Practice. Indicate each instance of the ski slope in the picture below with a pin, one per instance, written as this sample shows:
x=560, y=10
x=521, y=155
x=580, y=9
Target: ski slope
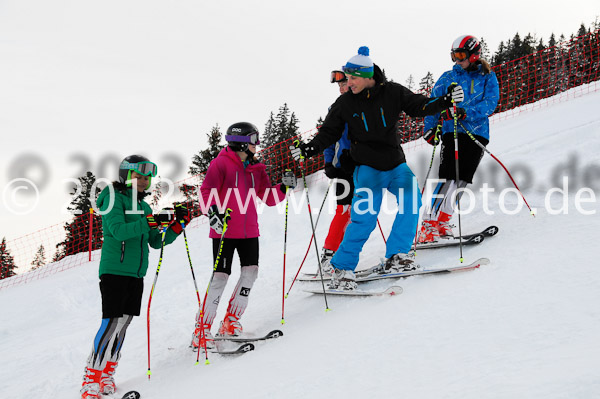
x=525, y=326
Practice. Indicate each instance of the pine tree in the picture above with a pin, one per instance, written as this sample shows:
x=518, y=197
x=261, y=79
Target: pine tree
x=485, y=50
x=319, y=122
x=40, y=258
x=268, y=138
x=292, y=128
x=201, y=161
x=552, y=41
x=78, y=235
x=540, y=46
x=500, y=55
x=156, y=194
x=582, y=30
x=7, y=262
x=410, y=82
x=283, y=127
x=528, y=45
x=426, y=84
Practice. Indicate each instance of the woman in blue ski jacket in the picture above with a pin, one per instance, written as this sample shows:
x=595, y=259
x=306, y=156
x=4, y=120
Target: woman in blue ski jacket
x=481, y=94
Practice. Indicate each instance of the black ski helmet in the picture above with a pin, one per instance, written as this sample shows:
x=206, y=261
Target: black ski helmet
x=240, y=134
x=129, y=164
x=467, y=44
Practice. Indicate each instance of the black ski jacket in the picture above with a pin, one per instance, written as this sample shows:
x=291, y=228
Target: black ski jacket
x=371, y=116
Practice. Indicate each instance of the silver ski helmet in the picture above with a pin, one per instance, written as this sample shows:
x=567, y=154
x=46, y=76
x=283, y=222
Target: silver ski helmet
x=139, y=164
x=240, y=134
x=466, y=46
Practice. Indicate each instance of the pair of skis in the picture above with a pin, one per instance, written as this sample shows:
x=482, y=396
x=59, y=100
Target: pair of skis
x=247, y=343
x=375, y=272
x=372, y=275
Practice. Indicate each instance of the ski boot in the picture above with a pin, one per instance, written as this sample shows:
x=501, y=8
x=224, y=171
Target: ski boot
x=90, y=389
x=429, y=232
x=107, y=381
x=401, y=263
x=230, y=326
x=343, y=280
x=326, y=267
x=199, y=339
x=444, y=227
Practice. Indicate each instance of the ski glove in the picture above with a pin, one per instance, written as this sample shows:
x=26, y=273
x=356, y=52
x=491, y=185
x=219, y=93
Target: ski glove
x=454, y=94
x=215, y=219
x=288, y=180
x=302, y=151
x=448, y=114
x=331, y=171
x=182, y=218
x=347, y=163
x=431, y=138
x=163, y=218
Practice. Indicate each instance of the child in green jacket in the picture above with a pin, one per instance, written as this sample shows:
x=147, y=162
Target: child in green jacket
x=129, y=228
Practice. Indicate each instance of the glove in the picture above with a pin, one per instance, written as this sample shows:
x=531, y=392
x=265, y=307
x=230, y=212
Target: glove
x=151, y=222
x=431, y=138
x=448, y=114
x=215, y=219
x=163, y=218
x=288, y=179
x=331, y=171
x=301, y=151
x=454, y=94
x=182, y=218
x=347, y=164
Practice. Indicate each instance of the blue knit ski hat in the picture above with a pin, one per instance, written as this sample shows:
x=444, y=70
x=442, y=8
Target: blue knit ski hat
x=360, y=65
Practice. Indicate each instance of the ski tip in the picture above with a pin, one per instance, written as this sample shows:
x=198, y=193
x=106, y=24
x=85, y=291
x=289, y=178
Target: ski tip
x=275, y=334
x=132, y=395
x=246, y=348
x=395, y=290
x=483, y=261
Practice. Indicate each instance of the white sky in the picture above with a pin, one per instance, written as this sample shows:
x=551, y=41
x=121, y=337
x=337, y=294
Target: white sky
x=86, y=81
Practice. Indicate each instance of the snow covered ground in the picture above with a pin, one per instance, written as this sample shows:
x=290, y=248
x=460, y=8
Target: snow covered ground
x=526, y=326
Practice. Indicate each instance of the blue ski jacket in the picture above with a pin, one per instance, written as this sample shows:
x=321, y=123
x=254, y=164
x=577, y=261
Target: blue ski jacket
x=481, y=98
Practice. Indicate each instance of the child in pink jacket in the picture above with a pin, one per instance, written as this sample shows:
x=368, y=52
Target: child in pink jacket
x=234, y=180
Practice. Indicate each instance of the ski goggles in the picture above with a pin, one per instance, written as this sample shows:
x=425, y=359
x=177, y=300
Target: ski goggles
x=363, y=71
x=459, y=55
x=338, y=76
x=143, y=168
x=250, y=139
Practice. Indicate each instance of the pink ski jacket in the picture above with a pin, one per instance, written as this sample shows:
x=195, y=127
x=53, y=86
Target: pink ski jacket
x=229, y=185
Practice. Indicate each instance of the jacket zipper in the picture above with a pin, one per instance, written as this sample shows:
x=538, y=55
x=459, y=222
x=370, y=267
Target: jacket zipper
x=383, y=117
x=365, y=121
x=122, y=251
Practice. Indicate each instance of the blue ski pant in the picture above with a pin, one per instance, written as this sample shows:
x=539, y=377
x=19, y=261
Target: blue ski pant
x=370, y=185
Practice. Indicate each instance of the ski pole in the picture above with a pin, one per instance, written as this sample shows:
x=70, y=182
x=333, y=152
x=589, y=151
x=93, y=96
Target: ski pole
x=460, y=244
x=287, y=201
x=187, y=249
x=311, y=239
x=501, y=164
x=162, y=247
x=381, y=230
x=312, y=225
x=218, y=258
x=435, y=141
